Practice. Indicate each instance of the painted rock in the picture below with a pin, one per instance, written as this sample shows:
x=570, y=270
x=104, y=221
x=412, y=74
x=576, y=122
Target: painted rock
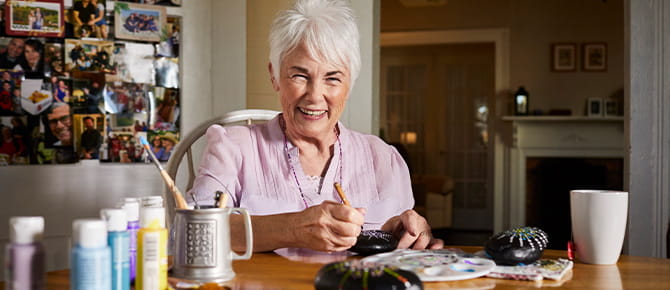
x=373, y=242
x=518, y=246
x=358, y=275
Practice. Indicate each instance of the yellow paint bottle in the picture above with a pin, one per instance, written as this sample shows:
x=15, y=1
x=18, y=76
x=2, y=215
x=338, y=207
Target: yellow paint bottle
x=152, y=250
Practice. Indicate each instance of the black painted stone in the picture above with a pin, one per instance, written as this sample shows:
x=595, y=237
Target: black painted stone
x=355, y=275
x=373, y=242
x=518, y=246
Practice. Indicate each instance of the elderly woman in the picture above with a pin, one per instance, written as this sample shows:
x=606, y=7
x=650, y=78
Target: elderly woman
x=283, y=171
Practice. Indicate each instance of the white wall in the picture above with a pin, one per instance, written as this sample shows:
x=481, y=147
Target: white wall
x=648, y=128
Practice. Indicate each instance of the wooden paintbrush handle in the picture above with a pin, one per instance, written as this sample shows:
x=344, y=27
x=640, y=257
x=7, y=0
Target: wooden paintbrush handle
x=178, y=197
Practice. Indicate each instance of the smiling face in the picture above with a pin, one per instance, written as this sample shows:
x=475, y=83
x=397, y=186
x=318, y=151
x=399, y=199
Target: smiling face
x=313, y=94
x=15, y=47
x=32, y=55
x=59, y=123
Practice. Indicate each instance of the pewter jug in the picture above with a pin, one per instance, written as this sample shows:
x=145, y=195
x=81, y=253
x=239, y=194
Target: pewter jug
x=202, y=249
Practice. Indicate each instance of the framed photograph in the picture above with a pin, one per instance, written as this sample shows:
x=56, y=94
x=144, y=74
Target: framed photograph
x=594, y=56
x=87, y=19
x=34, y=18
x=139, y=22
x=89, y=55
x=594, y=107
x=611, y=108
x=563, y=57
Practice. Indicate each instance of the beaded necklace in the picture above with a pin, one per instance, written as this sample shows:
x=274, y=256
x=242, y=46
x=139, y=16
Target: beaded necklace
x=290, y=164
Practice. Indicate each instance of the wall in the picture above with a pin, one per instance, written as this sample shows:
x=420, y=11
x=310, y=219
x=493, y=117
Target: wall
x=260, y=94
x=648, y=126
x=62, y=193
x=533, y=26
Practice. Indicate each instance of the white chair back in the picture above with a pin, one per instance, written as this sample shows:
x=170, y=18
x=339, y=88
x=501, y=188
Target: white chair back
x=185, y=146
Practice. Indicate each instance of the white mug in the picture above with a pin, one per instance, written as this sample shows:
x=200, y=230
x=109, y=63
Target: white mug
x=598, y=224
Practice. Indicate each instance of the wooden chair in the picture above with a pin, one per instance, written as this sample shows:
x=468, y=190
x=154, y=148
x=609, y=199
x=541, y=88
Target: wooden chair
x=188, y=142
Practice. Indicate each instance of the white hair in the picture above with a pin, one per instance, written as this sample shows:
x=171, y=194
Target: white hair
x=326, y=27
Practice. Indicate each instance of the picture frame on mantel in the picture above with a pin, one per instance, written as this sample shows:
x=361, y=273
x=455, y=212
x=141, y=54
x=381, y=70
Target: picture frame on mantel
x=611, y=108
x=594, y=57
x=563, y=57
x=594, y=107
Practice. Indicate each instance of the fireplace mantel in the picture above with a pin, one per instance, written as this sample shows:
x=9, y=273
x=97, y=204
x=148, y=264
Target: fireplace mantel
x=556, y=136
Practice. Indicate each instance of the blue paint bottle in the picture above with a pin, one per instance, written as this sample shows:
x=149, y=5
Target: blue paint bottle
x=132, y=207
x=90, y=256
x=118, y=240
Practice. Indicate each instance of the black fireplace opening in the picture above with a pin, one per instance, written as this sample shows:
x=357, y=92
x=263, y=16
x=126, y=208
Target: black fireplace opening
x=548, y=184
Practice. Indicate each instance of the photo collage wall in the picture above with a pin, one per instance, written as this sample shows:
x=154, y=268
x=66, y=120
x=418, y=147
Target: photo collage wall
x=80, y=80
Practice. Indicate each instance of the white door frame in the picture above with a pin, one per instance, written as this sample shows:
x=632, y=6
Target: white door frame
x=500, y=38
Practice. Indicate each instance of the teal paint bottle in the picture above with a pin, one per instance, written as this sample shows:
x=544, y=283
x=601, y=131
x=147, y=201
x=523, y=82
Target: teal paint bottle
x=118, y=240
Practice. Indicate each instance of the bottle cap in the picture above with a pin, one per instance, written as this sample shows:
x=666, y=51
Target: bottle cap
x=115, y=218
x=152, y=217
x=132, y=207
x=152, y=201
x=26, y=229
x=89, y=233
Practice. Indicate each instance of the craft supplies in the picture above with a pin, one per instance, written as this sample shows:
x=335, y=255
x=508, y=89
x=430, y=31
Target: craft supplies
x=435, y=265
x=221, y=199
x=340, y=192
x=203, y=250
x=152, y=201
x=357, y=275
x=541, y=269
x=90, y=256
x=118, y=240
x=132, y=209
x=178, y=197
x=152, y=250
x=24, y=254
x=372, y=242
x=517, y=246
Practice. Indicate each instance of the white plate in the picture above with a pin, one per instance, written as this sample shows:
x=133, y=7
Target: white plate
x=435, y=265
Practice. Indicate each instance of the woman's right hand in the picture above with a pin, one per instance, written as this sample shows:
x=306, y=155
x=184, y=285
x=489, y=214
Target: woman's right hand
x=327, y=227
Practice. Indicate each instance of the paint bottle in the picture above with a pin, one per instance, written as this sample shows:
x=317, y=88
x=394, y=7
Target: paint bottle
x=90, y=256
x=152, y=250
x=152, y=201
x=118, y=240
x=132, y=207
x=24, y=255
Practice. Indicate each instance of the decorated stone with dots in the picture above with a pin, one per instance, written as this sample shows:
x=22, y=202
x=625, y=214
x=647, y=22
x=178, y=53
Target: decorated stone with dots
x=517, y=246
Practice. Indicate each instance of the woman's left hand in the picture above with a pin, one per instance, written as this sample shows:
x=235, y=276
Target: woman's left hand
x=412, y=231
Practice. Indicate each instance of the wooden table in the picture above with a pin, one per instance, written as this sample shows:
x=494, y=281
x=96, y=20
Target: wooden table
x=268, y=270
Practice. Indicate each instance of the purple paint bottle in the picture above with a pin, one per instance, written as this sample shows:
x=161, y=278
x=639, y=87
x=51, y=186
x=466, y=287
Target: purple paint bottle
x=25, y=258
x=132, y=208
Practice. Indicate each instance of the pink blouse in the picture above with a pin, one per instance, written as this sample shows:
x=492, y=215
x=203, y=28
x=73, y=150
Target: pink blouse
x=253, y=163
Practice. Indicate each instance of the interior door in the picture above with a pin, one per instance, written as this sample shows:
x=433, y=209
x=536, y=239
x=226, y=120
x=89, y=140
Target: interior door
x=435, y=100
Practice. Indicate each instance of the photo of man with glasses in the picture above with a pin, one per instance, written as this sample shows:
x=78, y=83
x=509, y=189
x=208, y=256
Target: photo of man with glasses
x=59, y=121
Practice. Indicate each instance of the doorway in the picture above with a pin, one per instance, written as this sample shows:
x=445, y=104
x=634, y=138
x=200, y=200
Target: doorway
x=435, y=101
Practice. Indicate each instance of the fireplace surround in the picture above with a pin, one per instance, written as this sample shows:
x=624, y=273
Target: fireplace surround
x=552, y=154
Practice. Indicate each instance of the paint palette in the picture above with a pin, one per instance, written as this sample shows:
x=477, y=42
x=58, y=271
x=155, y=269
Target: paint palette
x=435, y=265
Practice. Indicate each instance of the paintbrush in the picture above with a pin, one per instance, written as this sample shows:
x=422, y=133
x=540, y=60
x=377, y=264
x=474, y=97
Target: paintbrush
x=341, y=193
x=221, y=199
x=178, y=197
